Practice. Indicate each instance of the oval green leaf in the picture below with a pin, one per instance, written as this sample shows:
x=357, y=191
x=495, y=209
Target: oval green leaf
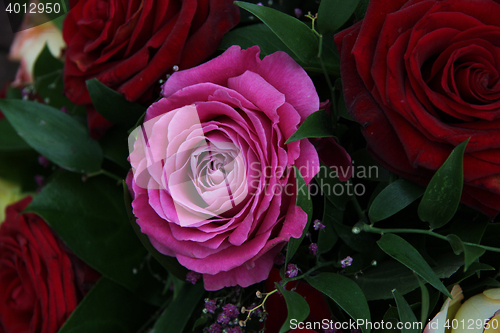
x=406, y=314
x=90, y=218
x=392, y=199
x=406, y=254
x=108, y=307
x=296, y=35
x=54, y=134
x=333, y=14
x=178, y=312
x=442, y=196
x=297, y=306
x=346, y=293
x=112, y=105
x=303, y=201
x=317, y=125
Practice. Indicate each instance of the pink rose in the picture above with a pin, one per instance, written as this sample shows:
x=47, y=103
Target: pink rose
x=213, y=179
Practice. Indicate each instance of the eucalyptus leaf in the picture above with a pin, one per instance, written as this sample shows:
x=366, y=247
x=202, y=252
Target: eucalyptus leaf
x=395, y=197
x=305, y=203
x=405, y=253
x=346, y=293
x=424, y=310
x=317, y=125
x=471, y=252
x=298, y=309
x=442, y=196
x=378, y=283
x=54, y=134
x=333, y=14
x=178, y=312
x=108, y=307
x=296, y=35
x=327, y=238
x=112, y=105
x=406, y=314
x=90, y=218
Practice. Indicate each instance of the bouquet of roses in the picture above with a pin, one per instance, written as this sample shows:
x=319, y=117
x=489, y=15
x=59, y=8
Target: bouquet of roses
x=210, y=166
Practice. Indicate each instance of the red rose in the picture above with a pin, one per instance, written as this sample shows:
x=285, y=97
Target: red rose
x=40, y=283
x=423, y=76
x=129, y=45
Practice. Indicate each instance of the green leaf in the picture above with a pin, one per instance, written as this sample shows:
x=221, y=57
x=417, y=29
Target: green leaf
x=296, y=35
x=48, y=80
x=112, y=105
x=9, y=140
x=395, y=197
x=169, y=263
x=389, y=274
x=342, y=108
x=303, y=201
x=177, y=314
x=327, y=237
x=424, y=292
x=255, y=34
x=297, y=306
x=115, y=146
x=406, y=315
x=361, y=9
x=90, y=218
x=317, y=125
x=331, y=187
x=406, y=254
x=442, y=196
x=333, y=14
x=54, y=134
x=474, y=268
x=471, y=252
x=108, y=307
x=345, y=292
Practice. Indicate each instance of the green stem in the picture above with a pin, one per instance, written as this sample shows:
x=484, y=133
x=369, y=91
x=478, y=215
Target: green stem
x=105, y=173
x=298, y=277
x=358, y=209
x=369, y=228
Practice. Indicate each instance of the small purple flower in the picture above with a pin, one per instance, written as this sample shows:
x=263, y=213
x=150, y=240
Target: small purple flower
x=223, y=319
x=210, y=305
x=231, y=311
x=298, y=12
x=40, y=180
x=215, y=328
x=291, y=271
x=313, y=249
x=318, y=225
x=192, y=277
x=43, y=161
x=346, y=262
x=235, y=329
x=280, y=259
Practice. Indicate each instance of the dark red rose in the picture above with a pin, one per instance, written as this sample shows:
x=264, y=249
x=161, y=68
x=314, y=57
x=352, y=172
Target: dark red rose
x=277, y=312
x=129, y=45
x=423, y=76
x=40, y=282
